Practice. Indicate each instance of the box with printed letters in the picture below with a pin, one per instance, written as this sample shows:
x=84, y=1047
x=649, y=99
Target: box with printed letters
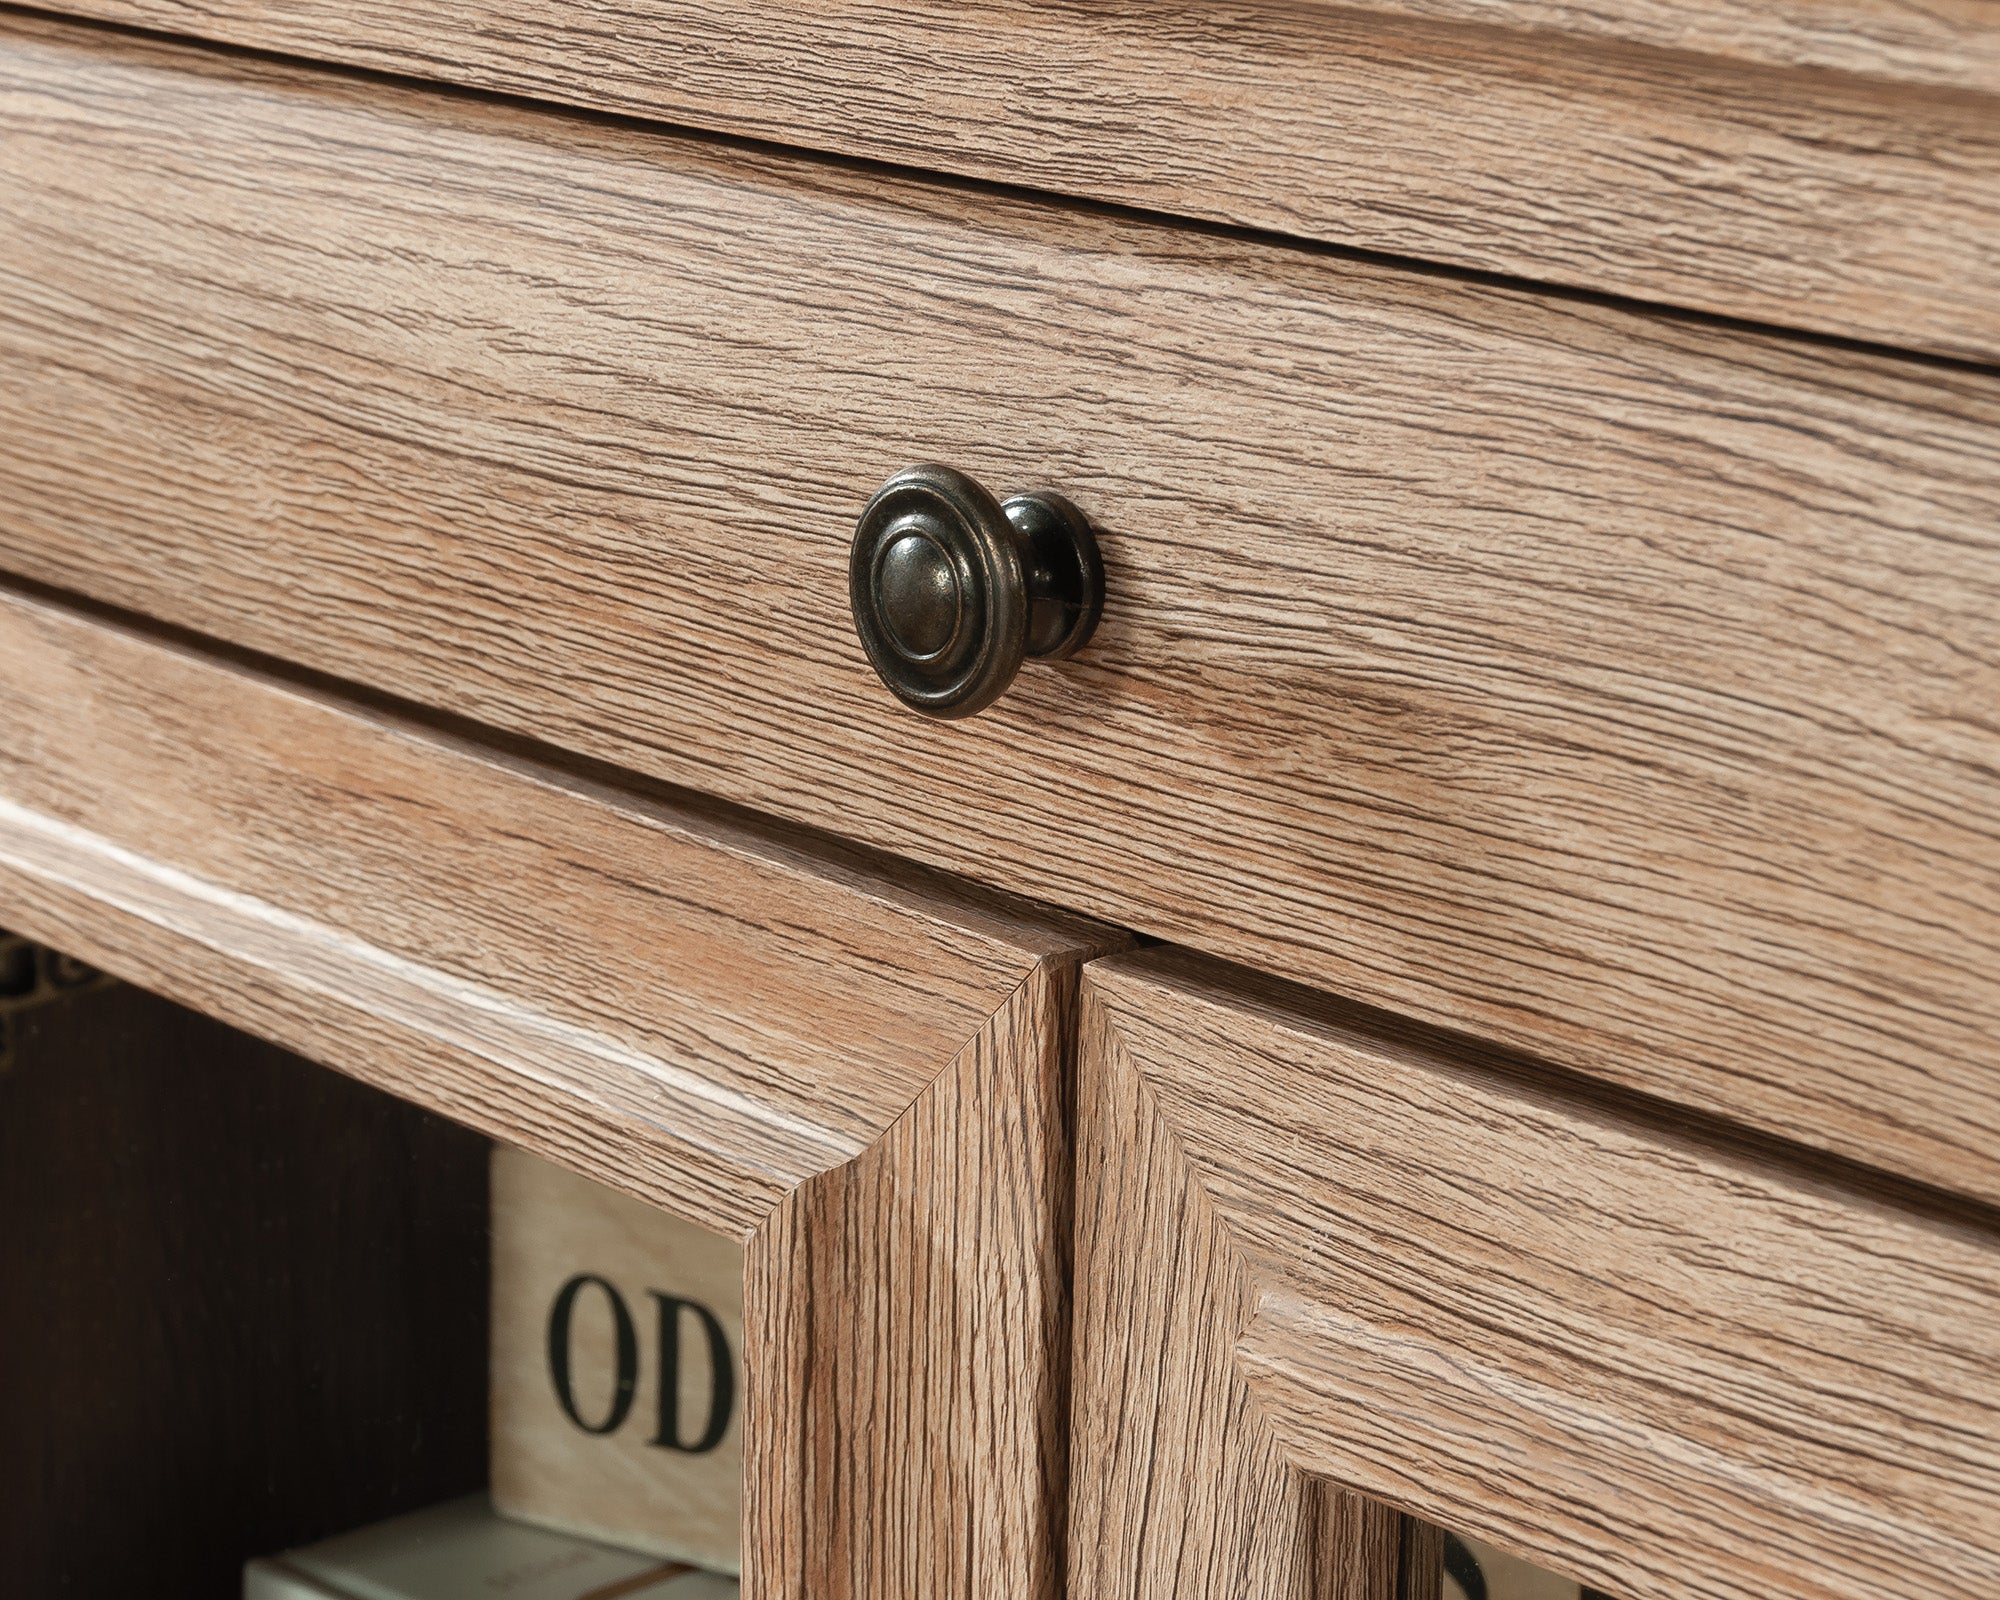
x=617, y=1353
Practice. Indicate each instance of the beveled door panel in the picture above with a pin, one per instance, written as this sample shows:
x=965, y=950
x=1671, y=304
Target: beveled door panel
x=1321, y=1256
x=857, y=1074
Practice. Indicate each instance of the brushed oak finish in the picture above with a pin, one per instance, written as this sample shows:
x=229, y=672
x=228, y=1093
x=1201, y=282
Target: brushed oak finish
x=892, y=1414
x=1826, y=166
x=1311, y=1251
x=1952, y=44
x=704, y=1018
x=1614, y=688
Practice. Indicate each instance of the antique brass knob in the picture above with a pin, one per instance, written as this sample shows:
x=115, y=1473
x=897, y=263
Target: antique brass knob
x=952, y=590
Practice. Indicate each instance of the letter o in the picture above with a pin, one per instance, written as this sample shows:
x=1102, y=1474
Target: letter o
x=627, y=1351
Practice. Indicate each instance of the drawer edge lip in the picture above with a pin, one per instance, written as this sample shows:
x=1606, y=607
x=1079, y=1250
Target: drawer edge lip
x=1258, y=192
x=1223, y=987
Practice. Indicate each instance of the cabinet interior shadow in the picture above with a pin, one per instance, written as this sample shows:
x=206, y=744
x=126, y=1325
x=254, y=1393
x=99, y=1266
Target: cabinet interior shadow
x=245, y=1304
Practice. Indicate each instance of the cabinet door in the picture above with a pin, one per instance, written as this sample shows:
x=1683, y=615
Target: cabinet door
x=856, y=1073
x=1332, y=1269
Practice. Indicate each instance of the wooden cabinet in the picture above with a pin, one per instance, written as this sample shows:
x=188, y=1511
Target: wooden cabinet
x=1468, y=1006
x=1586, y=680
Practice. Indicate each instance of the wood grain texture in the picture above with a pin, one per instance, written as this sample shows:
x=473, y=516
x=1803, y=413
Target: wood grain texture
x=1352, y=1548
x=1834, y=167
x=691, y=1014
x=948, y=1241
x=701, y=1017
x=1181, y=1490
x=1611, y=687
x=1635, y=1358
x=1954, y=44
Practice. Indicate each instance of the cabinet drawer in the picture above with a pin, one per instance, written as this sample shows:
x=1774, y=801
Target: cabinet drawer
x=1613, y=687
x=1313, y=1253
x=1822, y=164
x=860, y=1078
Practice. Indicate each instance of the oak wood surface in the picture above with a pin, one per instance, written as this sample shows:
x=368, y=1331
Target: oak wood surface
x=1311, y=1249
x=1608, y=686
x=703, y=1017
x=1954, y=44
x=1834, y=167
x=917, y=1242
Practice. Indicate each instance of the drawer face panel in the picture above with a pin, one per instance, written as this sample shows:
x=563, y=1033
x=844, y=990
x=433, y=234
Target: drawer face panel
x=859, y=1079
x=1693, y=154
x=1613, y=687
x=1309, y=1254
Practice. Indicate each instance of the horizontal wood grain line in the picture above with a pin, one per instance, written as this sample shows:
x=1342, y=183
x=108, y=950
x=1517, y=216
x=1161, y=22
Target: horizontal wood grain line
x=1609, y=686
x=1951, y=45
x=1830, y=170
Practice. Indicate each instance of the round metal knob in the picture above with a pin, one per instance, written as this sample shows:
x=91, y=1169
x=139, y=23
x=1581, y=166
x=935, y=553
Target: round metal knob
x=953, y=590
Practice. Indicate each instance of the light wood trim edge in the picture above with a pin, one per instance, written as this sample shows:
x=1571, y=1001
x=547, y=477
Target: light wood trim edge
x=1179, y=1488
x=1816, y=1425
x=915, y=1278
x=923, y=1328
x=460, y=1050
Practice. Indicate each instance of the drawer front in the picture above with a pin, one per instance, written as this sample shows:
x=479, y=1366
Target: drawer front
x=1310, y=1255
x=859, y=1078
x=1608, y=686
x=1698, y=154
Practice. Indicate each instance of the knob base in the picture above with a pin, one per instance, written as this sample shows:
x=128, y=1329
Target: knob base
x=1064, y=571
